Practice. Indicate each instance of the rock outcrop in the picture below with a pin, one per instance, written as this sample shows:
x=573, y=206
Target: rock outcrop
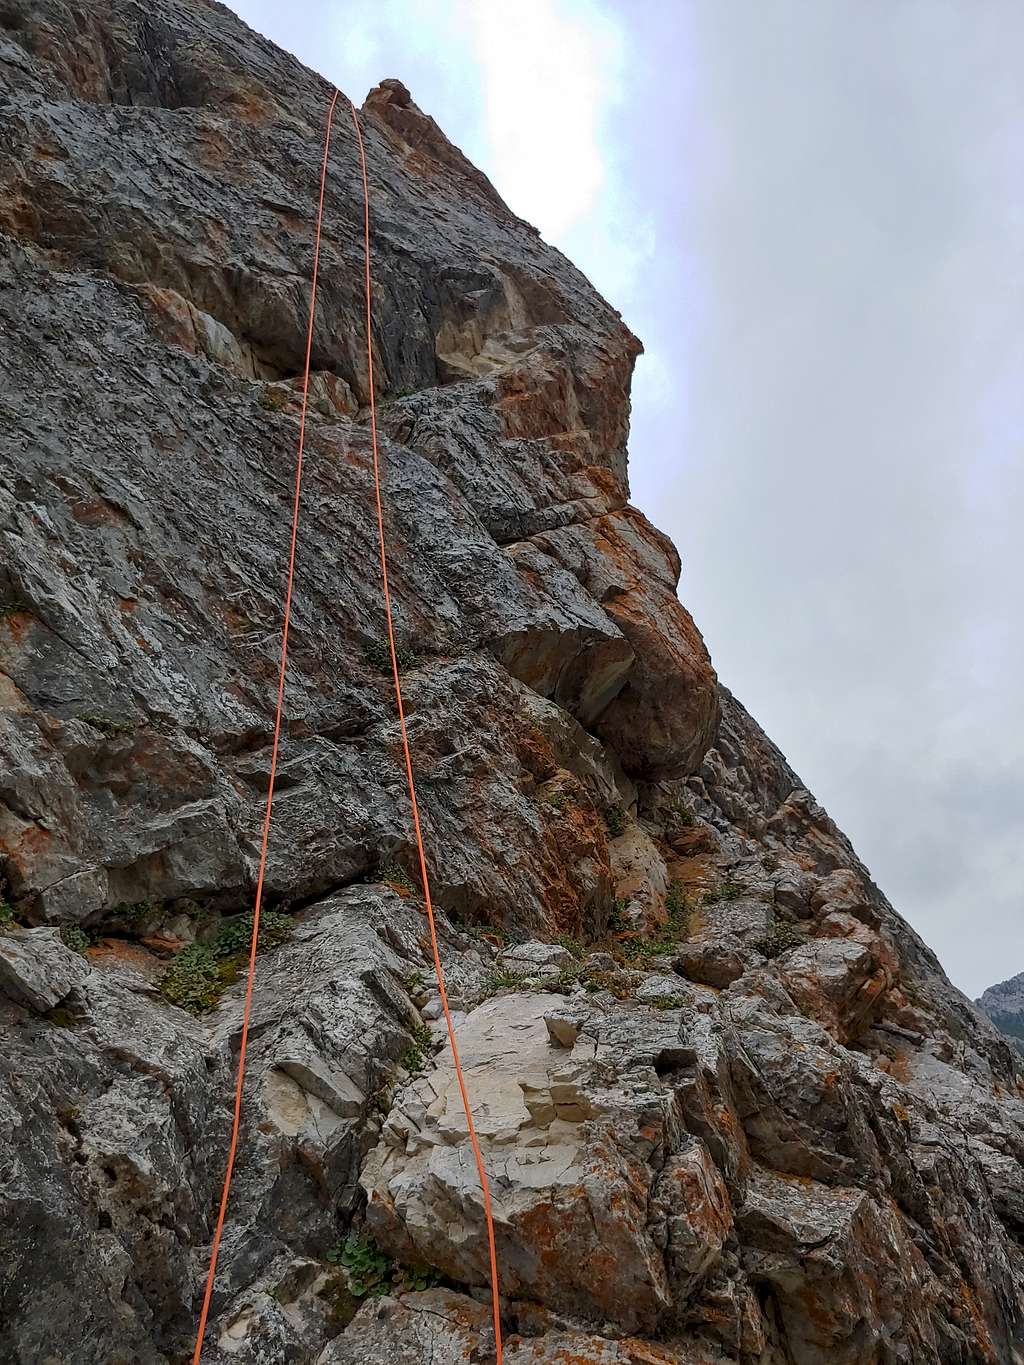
x=1004, y=1005
x=731, y=1107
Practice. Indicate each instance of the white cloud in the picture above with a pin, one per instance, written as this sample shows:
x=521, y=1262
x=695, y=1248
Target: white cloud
x=550, y=70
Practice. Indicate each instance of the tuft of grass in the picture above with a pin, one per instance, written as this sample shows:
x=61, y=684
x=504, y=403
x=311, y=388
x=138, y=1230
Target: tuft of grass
x=570, y=944
x=414, y=982
x=377, y=654
x=615, y=820
x=504, y=980
x=75, y=938
x=667, y=1002
x=6, y=916
x=675, y=929
x=200, y=973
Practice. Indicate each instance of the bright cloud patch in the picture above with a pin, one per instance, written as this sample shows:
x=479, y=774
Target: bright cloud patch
x=549, y=70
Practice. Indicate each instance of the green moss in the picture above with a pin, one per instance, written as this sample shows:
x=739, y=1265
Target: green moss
x=487, y=930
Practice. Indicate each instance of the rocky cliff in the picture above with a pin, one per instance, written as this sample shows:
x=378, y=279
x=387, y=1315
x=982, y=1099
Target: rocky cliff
x=732, y=1109
x=1004, y=1005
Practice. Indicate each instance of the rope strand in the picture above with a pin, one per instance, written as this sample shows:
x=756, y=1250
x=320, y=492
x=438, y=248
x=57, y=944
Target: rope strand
x=278, y=714
x=410, y=780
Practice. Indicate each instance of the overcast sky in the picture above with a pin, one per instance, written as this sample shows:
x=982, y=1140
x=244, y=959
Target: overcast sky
x=812, y=213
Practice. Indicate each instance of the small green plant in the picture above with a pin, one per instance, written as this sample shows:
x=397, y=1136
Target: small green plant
x=109, y=727
x=667, y=1002
x=615, y=821
x=676, y=927
x=381, y=1100
x=368, y=1270
x=680, y=816
x=378, y=655
x=395, y=876
x=570, y=944
x=557, y=800
x=6, y=916
x=728, y=891
x=75, y=938
x=415, y=1058
x=504, y=980
x=677, y=907
x=273, y=399
x=134, y=913
x=414, y=1279
x=414, y=982
x=485, y=930
x=371, y=1273
x=779, y=938
x=195, y=980
x=592, y=979
x=200, y=973
x=617, y=922
x=405, y=392
x=235, y=935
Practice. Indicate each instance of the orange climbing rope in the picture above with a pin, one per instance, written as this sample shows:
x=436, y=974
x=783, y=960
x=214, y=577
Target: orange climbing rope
x=236, y=1117
x=239, y=1082
x=477, y=1156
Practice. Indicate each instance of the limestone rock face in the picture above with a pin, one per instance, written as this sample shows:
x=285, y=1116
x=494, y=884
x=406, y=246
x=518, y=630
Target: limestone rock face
x=731, y=1108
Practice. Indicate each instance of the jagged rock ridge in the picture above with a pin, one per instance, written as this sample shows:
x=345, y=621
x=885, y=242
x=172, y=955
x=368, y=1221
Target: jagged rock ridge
x=732, y=1108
